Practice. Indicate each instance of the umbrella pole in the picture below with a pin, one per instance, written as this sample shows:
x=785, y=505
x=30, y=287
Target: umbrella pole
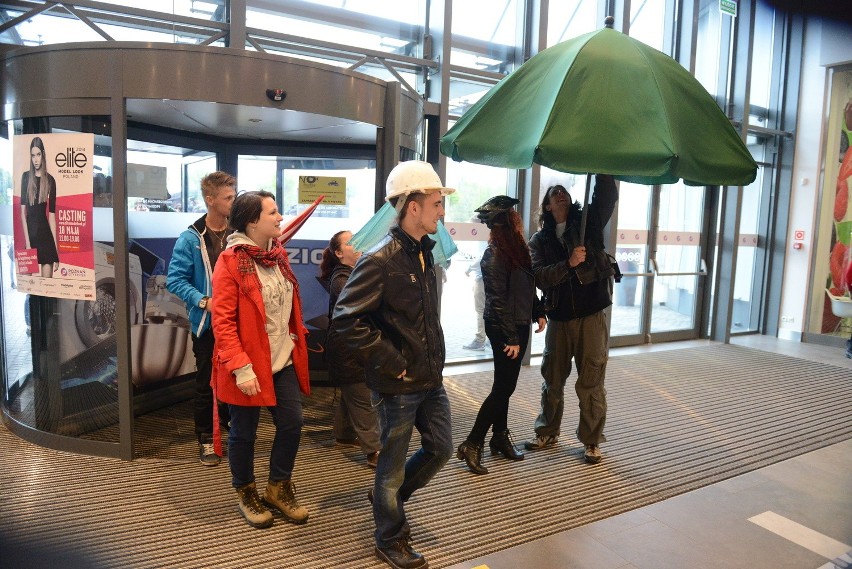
x=585, y=209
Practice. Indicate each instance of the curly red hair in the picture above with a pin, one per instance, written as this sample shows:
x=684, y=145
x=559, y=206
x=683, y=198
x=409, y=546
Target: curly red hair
x=509, y=242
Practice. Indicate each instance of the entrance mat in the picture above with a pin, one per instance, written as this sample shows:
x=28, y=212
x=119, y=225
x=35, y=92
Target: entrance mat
x=678, y=420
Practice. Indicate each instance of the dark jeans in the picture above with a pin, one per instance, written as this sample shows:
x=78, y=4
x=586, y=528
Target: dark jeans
x=495, y=409
x=202, y=348
x=397, y=479
x=287, y=417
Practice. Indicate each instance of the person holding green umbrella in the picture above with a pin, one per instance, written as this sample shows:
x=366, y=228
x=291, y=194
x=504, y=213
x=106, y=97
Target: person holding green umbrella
x=575, y=275
x=600, y=102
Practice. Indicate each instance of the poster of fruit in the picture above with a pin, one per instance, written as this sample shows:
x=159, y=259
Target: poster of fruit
x=839, y=160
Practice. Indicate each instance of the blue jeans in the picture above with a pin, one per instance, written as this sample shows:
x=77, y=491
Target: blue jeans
x=287, y=417
x=397, y=479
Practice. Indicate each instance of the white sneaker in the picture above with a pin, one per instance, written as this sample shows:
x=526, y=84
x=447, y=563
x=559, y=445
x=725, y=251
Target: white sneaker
x=541, y=441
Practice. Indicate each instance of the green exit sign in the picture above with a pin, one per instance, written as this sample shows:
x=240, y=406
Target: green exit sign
x=728, y=7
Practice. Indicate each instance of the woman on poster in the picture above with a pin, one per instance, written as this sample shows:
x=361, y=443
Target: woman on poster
x=38, y=209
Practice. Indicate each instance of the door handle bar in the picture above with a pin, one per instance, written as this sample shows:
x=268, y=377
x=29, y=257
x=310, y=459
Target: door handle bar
x=655, y=270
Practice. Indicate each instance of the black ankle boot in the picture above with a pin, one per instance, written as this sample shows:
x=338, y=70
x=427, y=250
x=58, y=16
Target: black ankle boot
x=471, y=453
x=502, y=443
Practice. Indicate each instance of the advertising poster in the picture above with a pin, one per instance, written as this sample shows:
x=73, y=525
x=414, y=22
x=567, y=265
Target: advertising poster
x=52, y=215
x=332, y=187
x=838, y=181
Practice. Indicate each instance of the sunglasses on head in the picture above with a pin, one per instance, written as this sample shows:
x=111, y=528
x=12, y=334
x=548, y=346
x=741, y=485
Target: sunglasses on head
x=554, y=190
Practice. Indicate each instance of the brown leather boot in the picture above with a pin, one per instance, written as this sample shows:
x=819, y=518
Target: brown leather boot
x=281, y=495
x=252, y=508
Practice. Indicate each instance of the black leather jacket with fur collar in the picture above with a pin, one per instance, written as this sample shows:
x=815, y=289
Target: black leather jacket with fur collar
x=565, y=296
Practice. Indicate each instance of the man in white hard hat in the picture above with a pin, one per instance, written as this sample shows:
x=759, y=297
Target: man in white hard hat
x=387, y=316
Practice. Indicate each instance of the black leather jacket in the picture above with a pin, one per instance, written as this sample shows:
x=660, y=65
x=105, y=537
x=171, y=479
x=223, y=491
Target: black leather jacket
x=387, y=316
x=565, y=297
x=510, y=298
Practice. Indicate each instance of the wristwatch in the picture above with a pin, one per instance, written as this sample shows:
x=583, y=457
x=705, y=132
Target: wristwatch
x=202, y=304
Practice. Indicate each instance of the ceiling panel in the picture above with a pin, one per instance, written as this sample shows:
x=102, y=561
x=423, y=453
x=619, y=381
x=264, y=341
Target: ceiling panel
x=240, y=121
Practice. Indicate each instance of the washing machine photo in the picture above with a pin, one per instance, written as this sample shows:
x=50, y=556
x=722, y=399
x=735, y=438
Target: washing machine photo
x=161, y=345
x=85, y=323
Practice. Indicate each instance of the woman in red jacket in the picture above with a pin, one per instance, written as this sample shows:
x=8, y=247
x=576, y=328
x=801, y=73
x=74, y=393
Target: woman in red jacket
x=260, y=358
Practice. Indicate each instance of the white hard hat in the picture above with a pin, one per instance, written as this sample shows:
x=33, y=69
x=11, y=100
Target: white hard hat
x=413, y=176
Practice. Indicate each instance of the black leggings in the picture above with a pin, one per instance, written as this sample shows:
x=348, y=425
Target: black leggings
x=495, y=409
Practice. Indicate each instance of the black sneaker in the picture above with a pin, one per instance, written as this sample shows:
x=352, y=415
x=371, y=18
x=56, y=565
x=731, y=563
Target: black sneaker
x=206, y=455
x=400, y=555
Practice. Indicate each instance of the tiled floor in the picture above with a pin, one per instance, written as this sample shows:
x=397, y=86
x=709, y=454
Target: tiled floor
x=805, y=505
x=710, y=527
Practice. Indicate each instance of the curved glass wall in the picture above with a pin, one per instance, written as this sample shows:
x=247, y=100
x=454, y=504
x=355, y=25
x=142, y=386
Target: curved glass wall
x=119, y=355
x=64, y=378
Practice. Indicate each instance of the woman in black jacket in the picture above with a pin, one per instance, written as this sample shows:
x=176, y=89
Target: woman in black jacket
x=38, y=209
x=511, y=304
x=355, y=421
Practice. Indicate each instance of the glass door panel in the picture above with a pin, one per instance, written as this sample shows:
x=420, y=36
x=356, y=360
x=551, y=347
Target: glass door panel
x=631, y=253
x=659, y=251
x=678, y=262
x=749, y=274
x=462, y=289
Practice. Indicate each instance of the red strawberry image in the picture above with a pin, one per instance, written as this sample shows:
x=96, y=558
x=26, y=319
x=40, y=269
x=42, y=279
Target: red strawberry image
x=837, y=263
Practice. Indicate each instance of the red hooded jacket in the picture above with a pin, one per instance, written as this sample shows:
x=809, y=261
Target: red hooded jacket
x=239, y=327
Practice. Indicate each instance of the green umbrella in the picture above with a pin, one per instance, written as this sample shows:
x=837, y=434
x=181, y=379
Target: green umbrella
x=607, y=103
